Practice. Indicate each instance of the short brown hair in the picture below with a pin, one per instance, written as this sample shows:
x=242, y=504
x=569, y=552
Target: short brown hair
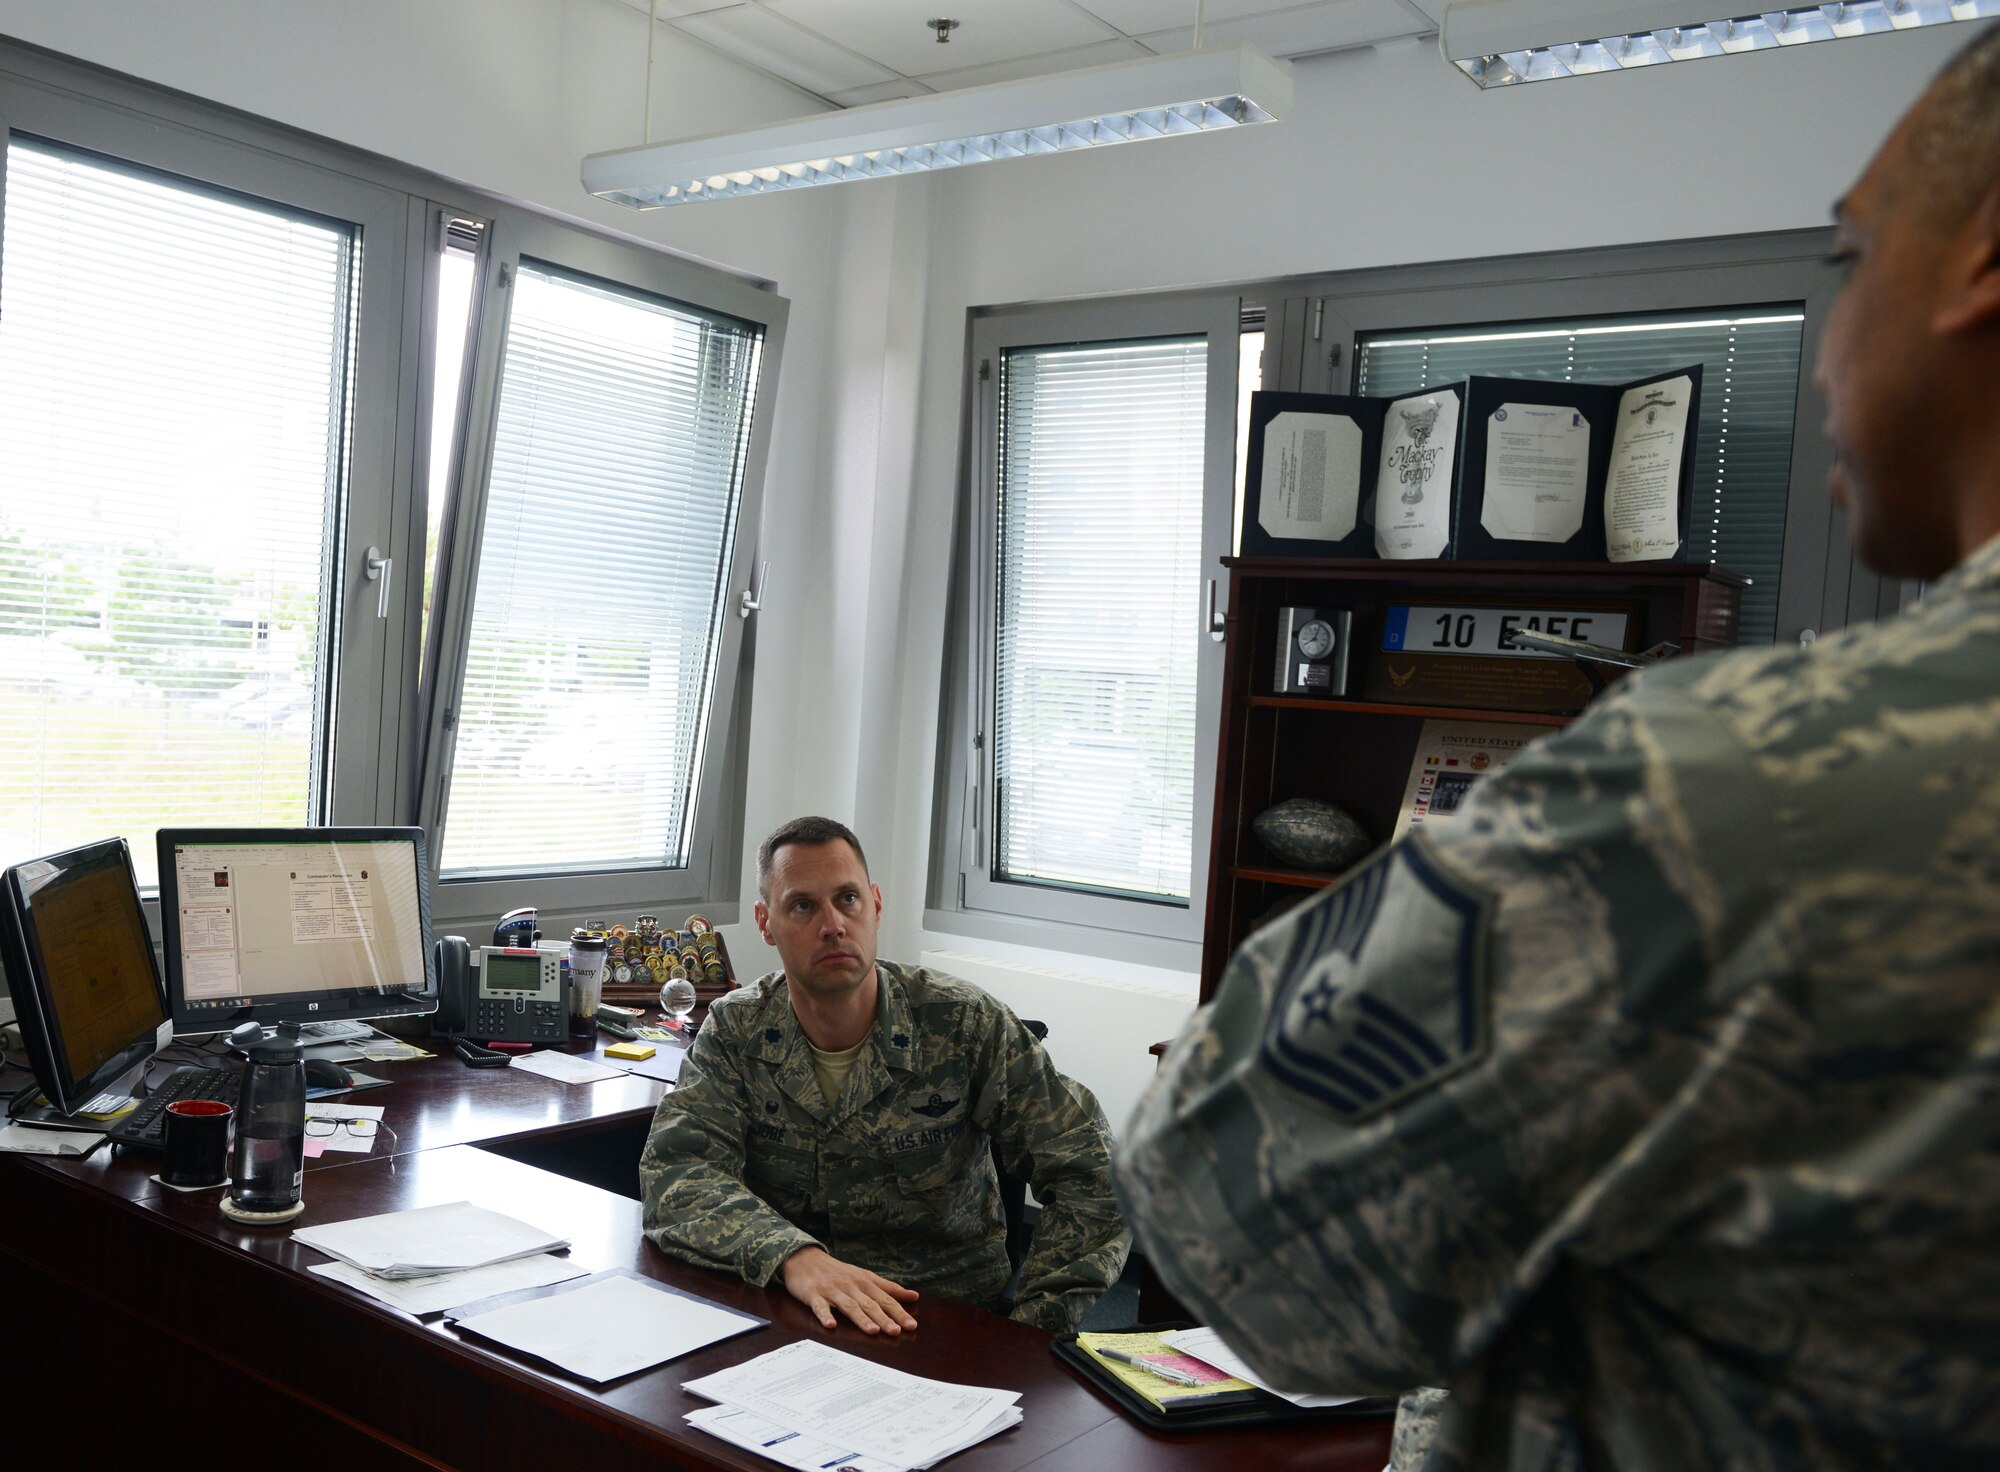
x=809, y=831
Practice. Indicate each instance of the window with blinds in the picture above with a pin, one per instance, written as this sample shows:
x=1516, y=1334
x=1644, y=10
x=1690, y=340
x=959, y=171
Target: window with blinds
x=1743, y=448
x=1100, y=541
x=617, y=468
x=173, y=401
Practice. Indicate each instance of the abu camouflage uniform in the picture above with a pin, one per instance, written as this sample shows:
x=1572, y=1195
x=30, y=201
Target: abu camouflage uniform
x=746, y=1163
x=1652, y=1106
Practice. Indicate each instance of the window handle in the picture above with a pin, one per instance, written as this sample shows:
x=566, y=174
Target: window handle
x=379, y=570
x=1218, y=624
x=749, y=602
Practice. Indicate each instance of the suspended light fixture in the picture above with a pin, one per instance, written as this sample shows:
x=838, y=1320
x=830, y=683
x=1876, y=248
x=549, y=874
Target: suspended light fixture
x=1498, y=43
x=1158, y=97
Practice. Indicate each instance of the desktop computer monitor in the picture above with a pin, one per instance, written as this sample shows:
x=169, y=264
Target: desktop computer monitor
x=80, y=968
x=294, y=925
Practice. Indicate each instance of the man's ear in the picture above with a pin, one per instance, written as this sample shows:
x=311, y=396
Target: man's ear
x=1971, y=297
x=763, y=926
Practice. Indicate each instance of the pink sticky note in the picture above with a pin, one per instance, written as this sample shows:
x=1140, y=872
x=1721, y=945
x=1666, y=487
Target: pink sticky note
x=315, y=1149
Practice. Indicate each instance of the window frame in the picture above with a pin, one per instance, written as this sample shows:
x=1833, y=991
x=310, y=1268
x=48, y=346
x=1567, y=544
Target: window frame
x=716, y=840
x=372, y=493
x=966, y=898
x=387, y=766
x=1317, y=328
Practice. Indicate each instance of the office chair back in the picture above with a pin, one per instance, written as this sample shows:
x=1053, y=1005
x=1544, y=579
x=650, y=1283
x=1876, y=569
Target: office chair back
x=1014, y=1190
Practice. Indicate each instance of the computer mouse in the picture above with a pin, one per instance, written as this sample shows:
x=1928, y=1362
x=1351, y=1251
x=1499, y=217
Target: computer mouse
x=324, y=1073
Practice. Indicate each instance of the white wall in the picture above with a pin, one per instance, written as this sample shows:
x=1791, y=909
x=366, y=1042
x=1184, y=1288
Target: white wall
x=1390, y=158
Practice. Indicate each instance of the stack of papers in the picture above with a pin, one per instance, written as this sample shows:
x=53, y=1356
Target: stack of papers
x=810, y=1406
x=22, y=1139
x=1206, y=1345
x=614, y=1326
x=429, y=1240
x=435, y=1294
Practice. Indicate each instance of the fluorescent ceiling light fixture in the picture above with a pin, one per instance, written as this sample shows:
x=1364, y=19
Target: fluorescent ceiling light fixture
x=1158, y=97
x=1498, y=43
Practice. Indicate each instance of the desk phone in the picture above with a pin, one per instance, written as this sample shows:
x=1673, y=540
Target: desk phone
x=504, y=994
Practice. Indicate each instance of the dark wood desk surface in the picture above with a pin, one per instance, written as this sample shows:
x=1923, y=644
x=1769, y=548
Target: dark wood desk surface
x=241, y=1347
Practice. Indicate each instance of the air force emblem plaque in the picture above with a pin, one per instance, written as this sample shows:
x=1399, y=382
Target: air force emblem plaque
x=1384, y=992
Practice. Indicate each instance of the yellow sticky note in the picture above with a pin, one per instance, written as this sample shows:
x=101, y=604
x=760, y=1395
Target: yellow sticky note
x=637, y=1052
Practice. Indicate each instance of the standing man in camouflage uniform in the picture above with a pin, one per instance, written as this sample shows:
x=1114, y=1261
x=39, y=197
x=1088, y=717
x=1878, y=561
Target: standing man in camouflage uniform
x=1653, y=1106
x=833, y=1123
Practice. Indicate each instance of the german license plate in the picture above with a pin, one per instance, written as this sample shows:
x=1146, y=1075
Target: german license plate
x=1425, y=629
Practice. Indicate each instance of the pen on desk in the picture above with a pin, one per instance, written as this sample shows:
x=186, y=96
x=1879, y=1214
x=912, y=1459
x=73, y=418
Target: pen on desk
x=1179, y=1377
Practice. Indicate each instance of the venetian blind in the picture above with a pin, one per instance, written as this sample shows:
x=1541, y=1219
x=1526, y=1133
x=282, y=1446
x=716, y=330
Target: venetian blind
x=173, y=386
x=618, y=460
x=1749, y=394
x=1100, y=492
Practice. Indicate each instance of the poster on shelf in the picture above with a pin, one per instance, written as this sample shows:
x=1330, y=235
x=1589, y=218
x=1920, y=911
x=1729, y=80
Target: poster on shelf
x=1310, y=486
x=1413, y=486
x=1537, y=473
x=1642, y=501
x=1451, y=758
x=1549, y=462
x=1304, y=492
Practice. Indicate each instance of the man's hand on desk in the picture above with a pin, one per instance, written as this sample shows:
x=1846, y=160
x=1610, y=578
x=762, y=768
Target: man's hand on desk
x=823, y=1283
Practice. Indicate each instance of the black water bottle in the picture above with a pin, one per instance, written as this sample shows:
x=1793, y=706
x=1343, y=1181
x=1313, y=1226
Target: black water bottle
x=269, y=1168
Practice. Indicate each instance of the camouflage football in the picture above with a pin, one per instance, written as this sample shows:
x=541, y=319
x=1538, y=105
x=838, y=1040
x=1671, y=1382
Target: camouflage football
x=746, y=1162
x=1651, y=1106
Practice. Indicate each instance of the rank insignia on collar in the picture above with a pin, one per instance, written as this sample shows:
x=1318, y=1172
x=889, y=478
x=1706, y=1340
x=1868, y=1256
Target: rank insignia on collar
x=901, y=1039
x=773, y=1035
x=936, y=1107
x=1383, y=994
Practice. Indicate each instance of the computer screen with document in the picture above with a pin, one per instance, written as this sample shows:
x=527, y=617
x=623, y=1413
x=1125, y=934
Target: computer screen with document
x=294, y=925
x=79, y=963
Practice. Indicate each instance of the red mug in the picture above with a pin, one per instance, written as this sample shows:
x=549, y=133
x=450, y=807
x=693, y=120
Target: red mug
x=197, y=1143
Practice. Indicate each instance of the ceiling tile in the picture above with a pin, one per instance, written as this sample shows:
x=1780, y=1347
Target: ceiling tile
x=990, y=31
x=1145, y=17
x=1304, y=30
x=880, y=92
x=753, y=34
x=1104, y=53
x=675, y=9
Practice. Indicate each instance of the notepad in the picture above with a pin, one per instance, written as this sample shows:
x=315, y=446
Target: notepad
x=1166, y=1395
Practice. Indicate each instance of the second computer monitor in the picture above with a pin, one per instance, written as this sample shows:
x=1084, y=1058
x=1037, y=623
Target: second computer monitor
x=294, y=925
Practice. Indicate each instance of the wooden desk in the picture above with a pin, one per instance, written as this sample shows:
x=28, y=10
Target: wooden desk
x=144, y=1321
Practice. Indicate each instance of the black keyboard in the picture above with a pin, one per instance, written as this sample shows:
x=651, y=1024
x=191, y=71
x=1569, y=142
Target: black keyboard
x=145, y=1127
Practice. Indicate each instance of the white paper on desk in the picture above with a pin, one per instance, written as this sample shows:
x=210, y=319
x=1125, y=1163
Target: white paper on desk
x=440, y=1291
x=430, y=1239
x=884, y=1412
x=565, y=1069
x=786, y=1447
x=344, y=1139
x=663, y=1067
x=24, y=1139
x=1206, y=1345
x=609, y=1328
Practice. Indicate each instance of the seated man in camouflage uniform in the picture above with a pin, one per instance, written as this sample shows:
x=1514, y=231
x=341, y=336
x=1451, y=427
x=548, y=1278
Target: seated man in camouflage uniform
x=1652, y=1107
x=833, y=1123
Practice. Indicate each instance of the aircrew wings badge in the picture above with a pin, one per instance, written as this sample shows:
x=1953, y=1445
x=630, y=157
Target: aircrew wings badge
x=1384, y=992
